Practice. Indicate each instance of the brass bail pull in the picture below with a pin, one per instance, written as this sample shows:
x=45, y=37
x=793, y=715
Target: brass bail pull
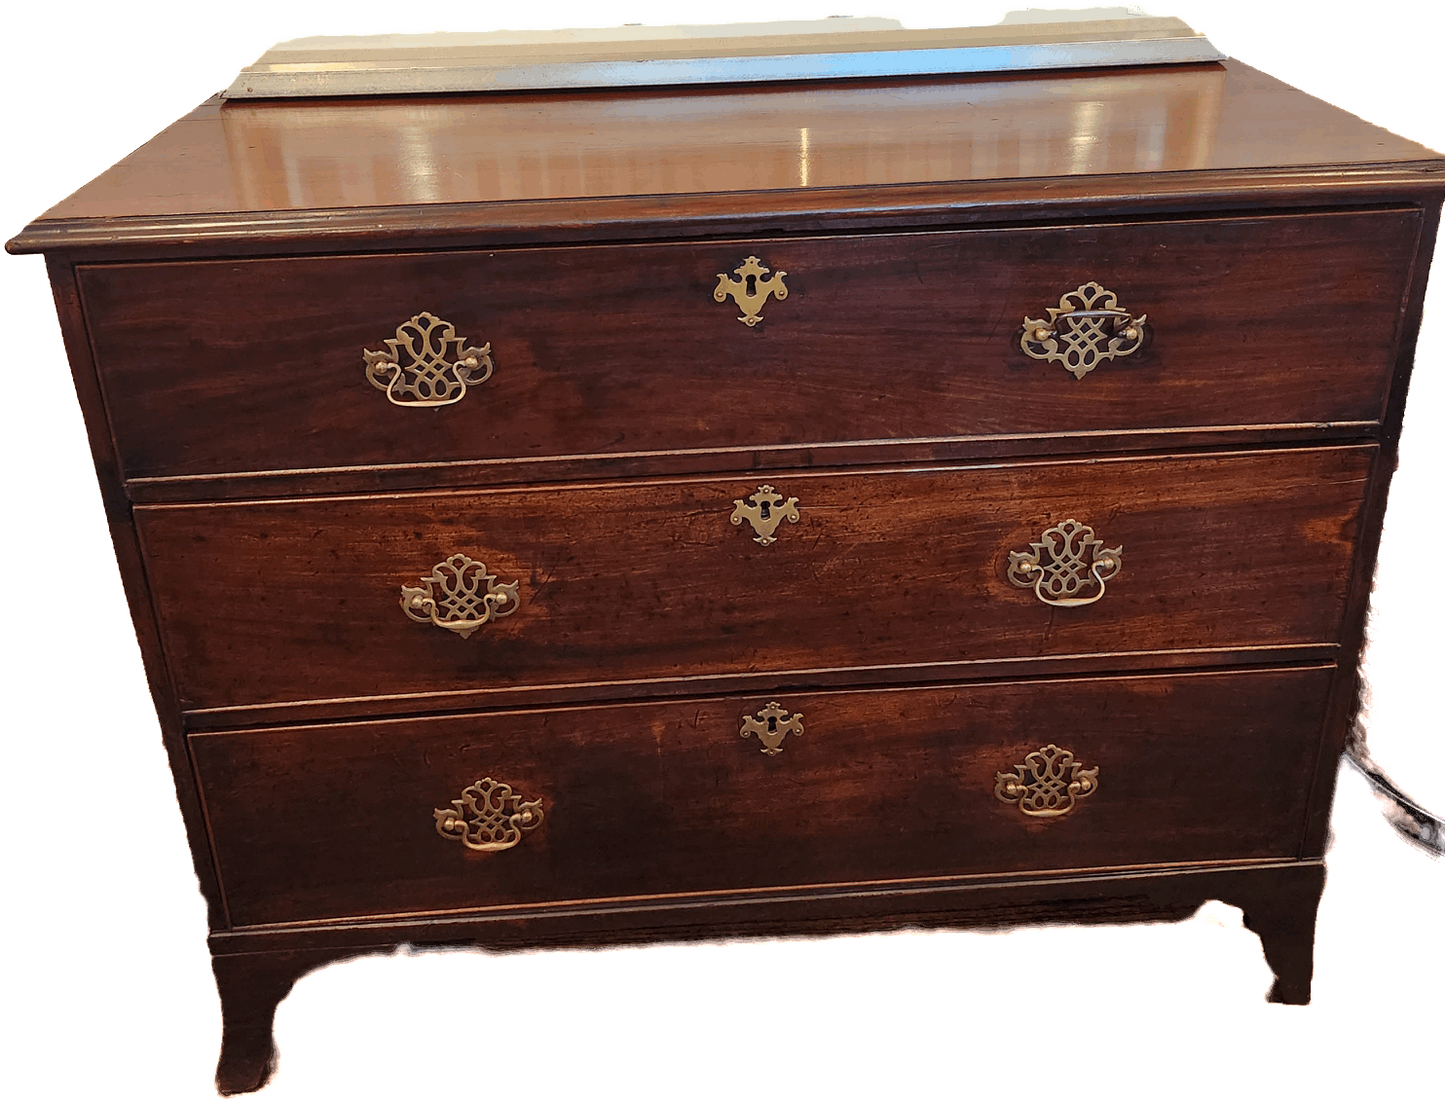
x=1087, y=328
x=1066, y=566
x=460, y=596
x=488, y=817
x=1047, y=784
x=427, y=364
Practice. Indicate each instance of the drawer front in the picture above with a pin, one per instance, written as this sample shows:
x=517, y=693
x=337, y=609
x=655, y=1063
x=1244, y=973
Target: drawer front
x=271, y=602
x=627, y=800
x=256, y=365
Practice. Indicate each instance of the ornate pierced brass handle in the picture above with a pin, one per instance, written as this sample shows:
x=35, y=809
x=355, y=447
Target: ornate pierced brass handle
x=1047, y=784
x=459, y=595
x=772, y=725
x=488, y=817
x=1066, y=566
x=427, y=364
x=1086, y=329
x=751, y=289
x=764, y=509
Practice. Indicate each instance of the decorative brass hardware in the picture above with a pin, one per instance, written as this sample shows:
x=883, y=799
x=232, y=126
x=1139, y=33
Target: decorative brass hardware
x=750, y=290
x=1064, y=560
x=481, y=819
x=1086, y=329
x=427, y=364
x=459, y=595
x=1047, y=784
x=772, y=724
x=765, y=509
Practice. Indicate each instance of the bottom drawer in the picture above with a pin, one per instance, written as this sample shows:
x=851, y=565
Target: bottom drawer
x=353, y=819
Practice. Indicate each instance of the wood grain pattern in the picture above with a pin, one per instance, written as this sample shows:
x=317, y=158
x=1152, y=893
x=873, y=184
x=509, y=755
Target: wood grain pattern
x=766, y=461
x=332, y=822
x=284, y=601
x=1344, y=694
x=125, y=544
x=1377, y=893
x=259, y=174
x=613, y=352
x=1266, y=893
x=478, y=694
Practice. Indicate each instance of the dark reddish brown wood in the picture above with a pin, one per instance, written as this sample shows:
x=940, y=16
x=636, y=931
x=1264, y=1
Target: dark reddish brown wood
x=317, y=823
x=1292, y=126
x=1267, y=889
x=126, y=561
x=1344, y=693
x=762, y=681
x=388, y=479
x=1101, y=896
x=269, y=175
x=288, y=601
x=729, y=214
x=250, y=986
x=258, y=365
x=1284, y=919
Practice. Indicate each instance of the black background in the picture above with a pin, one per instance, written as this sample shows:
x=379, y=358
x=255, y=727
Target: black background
x=107, y=910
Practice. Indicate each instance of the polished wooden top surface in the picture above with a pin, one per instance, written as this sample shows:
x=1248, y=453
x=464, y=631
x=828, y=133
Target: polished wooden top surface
x=252, y=157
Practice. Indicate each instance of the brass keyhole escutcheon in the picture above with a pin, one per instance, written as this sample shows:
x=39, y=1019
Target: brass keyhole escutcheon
x=751, y=289
x=771, y=725
x=764, y=510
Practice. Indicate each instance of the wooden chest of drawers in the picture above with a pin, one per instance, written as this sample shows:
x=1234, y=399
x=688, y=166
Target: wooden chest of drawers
x=878, y=610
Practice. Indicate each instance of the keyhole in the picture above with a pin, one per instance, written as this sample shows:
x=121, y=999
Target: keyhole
x=764, y=508
x=772, y=725
x=752, y=286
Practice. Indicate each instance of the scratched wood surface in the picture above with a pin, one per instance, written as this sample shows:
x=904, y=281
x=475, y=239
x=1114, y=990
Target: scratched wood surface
x=258, y=365
x=1276, y=148
x=337, y=821
x=414, y=164
x=282, y=601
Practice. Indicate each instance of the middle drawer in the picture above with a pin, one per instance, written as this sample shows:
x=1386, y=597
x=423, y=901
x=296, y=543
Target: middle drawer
x=288, y=601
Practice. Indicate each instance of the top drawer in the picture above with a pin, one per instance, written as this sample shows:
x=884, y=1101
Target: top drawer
x=259, y=365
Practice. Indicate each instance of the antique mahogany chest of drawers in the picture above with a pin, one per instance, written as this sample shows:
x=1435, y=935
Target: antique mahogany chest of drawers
x=522, y=499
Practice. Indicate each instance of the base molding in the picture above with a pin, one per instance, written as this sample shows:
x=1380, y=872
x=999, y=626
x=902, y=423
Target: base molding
x=256, y=969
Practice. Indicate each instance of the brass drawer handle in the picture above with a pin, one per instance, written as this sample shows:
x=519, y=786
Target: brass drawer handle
x=765, y=509
x=488, y=817
x=1063, y=562
x=1086, y=329
x=751, y=289
x=459, y=595
x=427, y=364
x=771, y=725
x=1047, y=784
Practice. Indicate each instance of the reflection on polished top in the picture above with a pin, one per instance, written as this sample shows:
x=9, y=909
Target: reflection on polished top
x=310, y=155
